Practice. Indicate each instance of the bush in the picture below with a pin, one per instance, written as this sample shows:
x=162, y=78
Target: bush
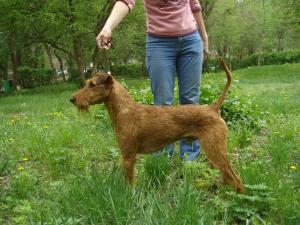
x=30, y=78
x=272, y=58
x=129, y=70
x=73, y=75
x=235, y=109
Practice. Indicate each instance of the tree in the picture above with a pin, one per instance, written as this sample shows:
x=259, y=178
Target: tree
x=4, y=56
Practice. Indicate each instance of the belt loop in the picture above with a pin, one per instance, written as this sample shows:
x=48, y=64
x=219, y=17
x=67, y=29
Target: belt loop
x=179, y=40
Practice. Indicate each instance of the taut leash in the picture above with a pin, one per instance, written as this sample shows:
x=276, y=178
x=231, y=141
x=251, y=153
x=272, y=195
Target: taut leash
x=107, y=43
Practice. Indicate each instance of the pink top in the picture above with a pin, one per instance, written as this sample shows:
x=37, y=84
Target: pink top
x=169, y=18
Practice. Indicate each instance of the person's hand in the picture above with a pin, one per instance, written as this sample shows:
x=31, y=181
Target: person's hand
x=104, y=38
x=205, y=50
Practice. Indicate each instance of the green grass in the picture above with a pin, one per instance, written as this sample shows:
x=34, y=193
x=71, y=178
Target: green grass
x=58, y=166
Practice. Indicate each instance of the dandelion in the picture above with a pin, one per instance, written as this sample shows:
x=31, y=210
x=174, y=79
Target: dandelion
x=293, y=167
x=11, y=122
x=57, y=114
x=21, y=168
x=25, y=159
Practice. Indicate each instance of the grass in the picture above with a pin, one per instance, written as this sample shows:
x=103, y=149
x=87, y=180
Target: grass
x=61, y=167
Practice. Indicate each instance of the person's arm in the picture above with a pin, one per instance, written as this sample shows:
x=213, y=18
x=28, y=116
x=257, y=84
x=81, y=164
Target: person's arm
x=197, y=12
x=201, y=26
x=120, y=10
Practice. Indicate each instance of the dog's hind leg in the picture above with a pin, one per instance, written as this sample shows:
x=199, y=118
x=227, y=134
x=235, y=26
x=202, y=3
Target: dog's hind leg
x=214, y=143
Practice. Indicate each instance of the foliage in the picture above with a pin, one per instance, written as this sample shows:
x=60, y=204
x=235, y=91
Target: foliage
x=253, y=205
x=236, y=29
x=31, y=77
x=129, y=70
x=4, y=54
x=273, y=58
x=129, y=38
x=236, y=109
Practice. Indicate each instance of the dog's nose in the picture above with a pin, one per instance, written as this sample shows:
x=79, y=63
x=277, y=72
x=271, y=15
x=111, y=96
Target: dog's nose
x=72, y=100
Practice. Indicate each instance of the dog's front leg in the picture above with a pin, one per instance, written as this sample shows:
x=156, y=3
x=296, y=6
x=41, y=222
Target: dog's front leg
x=128, y=161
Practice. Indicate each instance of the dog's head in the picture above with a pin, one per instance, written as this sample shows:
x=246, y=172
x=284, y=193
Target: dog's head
x=95, y=91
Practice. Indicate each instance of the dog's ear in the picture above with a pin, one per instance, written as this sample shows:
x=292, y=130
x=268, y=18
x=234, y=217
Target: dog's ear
x=109, y=80
x=92, y=83
x=106, y=80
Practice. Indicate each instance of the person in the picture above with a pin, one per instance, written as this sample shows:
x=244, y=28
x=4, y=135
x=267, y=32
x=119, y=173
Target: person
x=176, y=42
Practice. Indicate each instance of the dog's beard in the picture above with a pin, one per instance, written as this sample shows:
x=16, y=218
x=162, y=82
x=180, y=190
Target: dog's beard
x=83, y=107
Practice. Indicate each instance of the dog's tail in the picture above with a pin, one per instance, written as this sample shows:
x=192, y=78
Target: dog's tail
x=220, y=100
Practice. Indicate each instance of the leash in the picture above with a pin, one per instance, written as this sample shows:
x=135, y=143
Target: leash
x=107, y=62
x=206, y=64
x=107, y=43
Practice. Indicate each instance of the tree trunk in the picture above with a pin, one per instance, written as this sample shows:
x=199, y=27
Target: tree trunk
x=61, y=66
x=13, y=59
x=19, y=57
x=95, y=60
x=262, y=37
x=4, y=56
x=261, y=49
x=77, y=45
x=50, y=57
x=79, y=59
x=279, y=46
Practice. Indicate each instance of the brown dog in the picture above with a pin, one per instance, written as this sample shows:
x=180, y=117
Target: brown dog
x=142, y=129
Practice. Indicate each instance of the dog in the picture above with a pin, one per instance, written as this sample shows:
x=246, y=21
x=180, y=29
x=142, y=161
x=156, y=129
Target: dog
x=142, y=129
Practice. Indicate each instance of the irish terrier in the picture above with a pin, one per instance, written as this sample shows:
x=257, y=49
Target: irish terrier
x=141, y=129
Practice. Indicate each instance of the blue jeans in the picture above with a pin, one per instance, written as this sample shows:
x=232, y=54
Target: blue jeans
x=183, y=55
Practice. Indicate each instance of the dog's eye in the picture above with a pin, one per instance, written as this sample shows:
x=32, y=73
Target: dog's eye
x=91, y=85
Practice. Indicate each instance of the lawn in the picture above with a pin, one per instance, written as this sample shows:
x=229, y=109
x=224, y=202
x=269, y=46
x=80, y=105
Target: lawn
x=58, y=166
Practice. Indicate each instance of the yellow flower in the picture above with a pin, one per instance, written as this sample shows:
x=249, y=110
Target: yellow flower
x=11, y=122
x=57, y=114
x=21, y=168
x=293, y=167
x=45, y=127
x=25, y=159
